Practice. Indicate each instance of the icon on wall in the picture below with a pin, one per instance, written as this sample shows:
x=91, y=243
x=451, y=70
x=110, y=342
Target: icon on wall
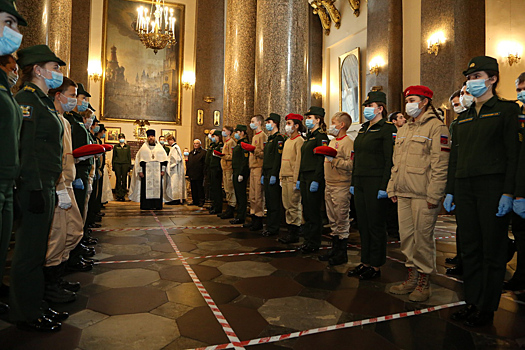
x=217, y=118
x=200, y=116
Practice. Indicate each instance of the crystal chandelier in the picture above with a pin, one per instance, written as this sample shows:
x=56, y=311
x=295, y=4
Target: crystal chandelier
x=156, y=26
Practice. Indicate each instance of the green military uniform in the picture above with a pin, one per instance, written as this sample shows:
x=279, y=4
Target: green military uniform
x=373, y=150
x=483, y=162
x=240, y=166
x=215, y=179
x=121, y=163
x=167, y=149
x=41, y=166
x=207, y=174
x=312, y=170
x=93, y=206
x=273, y=151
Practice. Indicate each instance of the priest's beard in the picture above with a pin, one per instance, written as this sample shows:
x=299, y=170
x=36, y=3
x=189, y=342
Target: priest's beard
x=151, y=143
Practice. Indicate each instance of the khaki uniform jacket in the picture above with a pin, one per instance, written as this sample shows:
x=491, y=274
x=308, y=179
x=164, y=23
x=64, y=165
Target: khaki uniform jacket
x=257, y=156
x=69, y=171
x=226, y=160
x=291, y=160
x=338, y=172
x=421, y=155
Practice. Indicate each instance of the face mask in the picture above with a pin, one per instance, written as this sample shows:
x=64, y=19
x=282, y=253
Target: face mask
x=96, y=129
x=88, y=123
x=332, y=130
x=288, y=129
x=12, y=78
x=466, y=100
x=213, y=139
x=186, y=154
x=369, y=113
x=413, y=109
x=237, y=136
x=10, y=41
x=103, y=136
x=83, y=107
x=309, y=124
x=269, y=127
x=121, y=140
x=477, y=87
x=55, y=81
x=521, y=96
x=69, y=105
x=209, y=136
x=224, y=134
x=459, y=109
x=162, y=142
x=330, y=137
x=253, y=126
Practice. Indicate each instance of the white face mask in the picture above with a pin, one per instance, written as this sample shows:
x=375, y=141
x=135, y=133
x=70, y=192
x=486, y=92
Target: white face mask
x=466, y=100
x=12, y=78
x=413, y=109
x=459, y=109
x=288, y=129
x=332, y=130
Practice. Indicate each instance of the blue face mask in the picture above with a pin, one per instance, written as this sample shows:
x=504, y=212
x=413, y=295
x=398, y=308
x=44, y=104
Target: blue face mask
x=269, y=127
x=369, y=113
x=224, y=134
x=96, y=129
x=162, y=142
x=10, y=41
x=69, y=105
x=309, y=124
x=237, y=136
x=253, y=126
x=521, y=96
x=186, y=153
x=55, y=81
x=122, y=140
x=213, y=139
x=477, y=87
x=83, y=107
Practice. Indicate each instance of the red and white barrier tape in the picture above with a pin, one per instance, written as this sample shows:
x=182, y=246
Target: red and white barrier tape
x=234, y=340
x=167, y=228
x=437, y=239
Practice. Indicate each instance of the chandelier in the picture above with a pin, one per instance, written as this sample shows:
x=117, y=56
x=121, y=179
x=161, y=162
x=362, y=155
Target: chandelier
x=156, y=26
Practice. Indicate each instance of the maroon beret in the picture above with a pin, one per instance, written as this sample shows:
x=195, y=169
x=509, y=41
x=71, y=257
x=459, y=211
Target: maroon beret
x=107, y=147
x=247, y=147
x=419, y=90
x=326, y=151
x=88, y=150
x=217, y=153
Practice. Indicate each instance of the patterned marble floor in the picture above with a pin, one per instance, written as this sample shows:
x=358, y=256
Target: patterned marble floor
x=152, y=302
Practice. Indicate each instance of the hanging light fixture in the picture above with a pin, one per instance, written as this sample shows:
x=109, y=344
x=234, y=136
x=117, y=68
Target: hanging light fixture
x=156, y=26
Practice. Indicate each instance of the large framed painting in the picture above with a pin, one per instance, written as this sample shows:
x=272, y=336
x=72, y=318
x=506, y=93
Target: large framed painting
x=350, y=85
x=139, y=84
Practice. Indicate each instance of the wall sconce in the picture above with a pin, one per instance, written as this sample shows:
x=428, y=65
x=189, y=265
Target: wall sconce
x=510, y=51
x=95, y=70
x=317, y=91
x=376, y=64
x=434, y=42
x=188, y=80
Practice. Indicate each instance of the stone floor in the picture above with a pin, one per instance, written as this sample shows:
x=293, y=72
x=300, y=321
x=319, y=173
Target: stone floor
x=142, y=295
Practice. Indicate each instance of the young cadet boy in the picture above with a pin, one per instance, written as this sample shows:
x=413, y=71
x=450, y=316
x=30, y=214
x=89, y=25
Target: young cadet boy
x=338, y=175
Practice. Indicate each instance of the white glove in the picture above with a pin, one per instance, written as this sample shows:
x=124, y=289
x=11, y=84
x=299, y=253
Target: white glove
x=89, y=188
x=64, y=201
x=80, y=159
x=240, y=178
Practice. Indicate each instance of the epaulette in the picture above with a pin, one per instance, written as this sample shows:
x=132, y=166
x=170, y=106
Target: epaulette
x=29, y=88
x=389, y=122
x=3, y=88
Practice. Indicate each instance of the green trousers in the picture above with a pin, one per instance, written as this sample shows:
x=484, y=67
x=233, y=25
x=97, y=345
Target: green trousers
x=216, y=189
x=6, y=220
x=272, y=197
x=121, y=174
x=81, y=195
x=27, y=276
x=371, y=218
x=240, y=195
x=313, y=217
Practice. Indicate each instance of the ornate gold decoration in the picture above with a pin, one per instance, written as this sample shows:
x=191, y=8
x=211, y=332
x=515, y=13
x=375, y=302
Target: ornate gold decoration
x=140, y=129
x=327, y=13
x=156, y=30
x=513, y=58
x=209, y=99
x=355, y=4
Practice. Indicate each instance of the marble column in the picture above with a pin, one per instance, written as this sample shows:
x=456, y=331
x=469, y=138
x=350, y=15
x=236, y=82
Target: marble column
x=59, y=37
x=239, y=62
x=36, y=12
x=281, y=57
x=80, y=18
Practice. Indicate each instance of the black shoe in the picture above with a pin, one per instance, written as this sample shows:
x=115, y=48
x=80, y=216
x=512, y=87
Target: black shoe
x=4, y=308
x=56, y=315
x=455, y=271
x=101, y=214
x=514, y=285
x=369, y=273
x=340, y=255
x=480, y=319
x=71, y=286
x=248, y=224
x=330, y=253
x=464, y=313
x=257, y=224
x=288, y=239
x=237, y=222
x=98, y=219
x=452, y=261
x=53, y=293
x=80, y=267
x=88, y=261
x=41, y=324
x=86, y=251
x=307, y=249
x=213, y=212
x=88, y=240
x=358, y=270
x=94, y=225
x=228, y=214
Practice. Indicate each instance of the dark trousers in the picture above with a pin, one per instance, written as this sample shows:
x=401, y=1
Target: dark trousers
x=197, y=191
x=458, y=247
x=27, y=276
x=392, y=221
x=93, y=204
x=272, y=196
x=6, y=220
x=99, y=192
x=312, y=203
x=483, y=239
x=81, y=195
x=240, y=195
x=370, y=213
x=121, y=174
x=518, y=230
x=216, y=189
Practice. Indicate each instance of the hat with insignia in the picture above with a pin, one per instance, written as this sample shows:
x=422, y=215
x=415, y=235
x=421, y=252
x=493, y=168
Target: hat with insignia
x=482, y=63
x=240, y=127
x=150, y=132
x=319, y=111
x=293, y=116
x=419, y=90
x=275, y=117
x=9, y=6
x=91, y=107
x=37, y=54
x=375, y=96
x=102, y=127
x=82, y=91
x=217, y=132
x=121, y=135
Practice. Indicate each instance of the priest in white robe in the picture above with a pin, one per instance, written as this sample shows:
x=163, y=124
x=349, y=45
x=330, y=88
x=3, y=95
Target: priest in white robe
x=150, y=167
x=175, y=192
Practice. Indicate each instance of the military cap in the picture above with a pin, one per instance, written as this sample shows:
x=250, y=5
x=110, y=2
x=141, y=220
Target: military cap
x=240, y=127
x=121, y=135
x=82, y=91
x=217, y=132
x=482, y=63
x=275, y=117
x=95, y=120
x=375, y=96
x=419, y=90
x=90, y=106
x=36, y=54
x=102, y=127
x=319, y=111
x=9, y=6
x=150, y=132
x=293, y=116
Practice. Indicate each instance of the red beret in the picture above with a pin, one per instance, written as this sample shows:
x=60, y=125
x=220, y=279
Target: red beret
x=107, y=147
x=217, y=153
x=325, y=151
x=247, y=147
x=292, y=116
x=418, y=90
x=88, y=150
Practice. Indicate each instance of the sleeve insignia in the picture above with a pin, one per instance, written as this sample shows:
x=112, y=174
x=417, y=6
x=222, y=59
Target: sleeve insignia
x=27, y=111
x=325, y=142
x=444, y=139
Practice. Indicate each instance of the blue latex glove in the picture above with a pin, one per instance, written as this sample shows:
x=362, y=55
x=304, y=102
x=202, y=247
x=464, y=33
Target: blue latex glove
x=314, y=186
x=448, y=204
x=262, y=180
x=352, y=190
x=273, y=180
x=298, y=185
x=328, y=158
x=505, y=206
x=382, y=194
x=78, y=184
x=519, y=207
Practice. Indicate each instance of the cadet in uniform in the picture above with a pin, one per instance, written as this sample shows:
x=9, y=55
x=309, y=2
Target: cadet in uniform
x=481, y=183
x=163, y=143
x=311, y=179
x=373, y=149
x=273, y=152
x=289, y=175
x=215, y=173
x=241, y=173
x=41, y=166
x=11, y=124
x=121, y=164
x=417, y=184
x=226, y=165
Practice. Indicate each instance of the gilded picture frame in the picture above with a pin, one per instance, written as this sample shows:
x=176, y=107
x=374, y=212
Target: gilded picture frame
x=112, y=134
x=350, y=82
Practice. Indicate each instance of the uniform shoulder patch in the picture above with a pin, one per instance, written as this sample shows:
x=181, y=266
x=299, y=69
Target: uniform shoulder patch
x=389, y=122
x=29, y=88
x=444, y=139
x=325, y=142
x=3, y=88
x=27, y=111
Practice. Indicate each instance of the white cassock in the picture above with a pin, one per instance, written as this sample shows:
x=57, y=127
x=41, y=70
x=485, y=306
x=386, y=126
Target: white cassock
x=175, y=188
x=152, y=156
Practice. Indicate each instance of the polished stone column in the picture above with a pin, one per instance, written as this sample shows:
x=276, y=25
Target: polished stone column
x=36, y=12
x=239, y=62
x=281, y=64
x=59, y=37
x=80, y=18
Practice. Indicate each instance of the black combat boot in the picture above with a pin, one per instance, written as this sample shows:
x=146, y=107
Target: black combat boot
x=257, y=223
x=340, y=255
x=228, y=214
x=331, y=252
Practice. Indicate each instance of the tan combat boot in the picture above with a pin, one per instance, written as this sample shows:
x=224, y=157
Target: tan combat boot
x=422, y=291
x=409, y=285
